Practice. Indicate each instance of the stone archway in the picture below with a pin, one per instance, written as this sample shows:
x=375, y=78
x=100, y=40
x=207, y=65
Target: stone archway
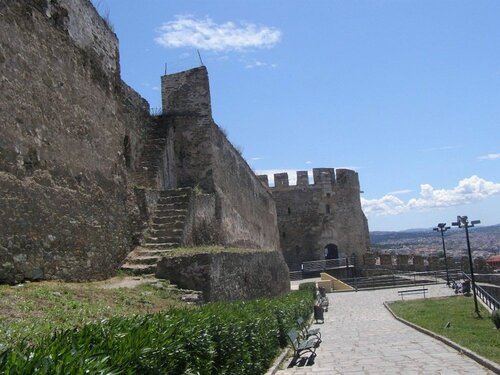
x=331, y=251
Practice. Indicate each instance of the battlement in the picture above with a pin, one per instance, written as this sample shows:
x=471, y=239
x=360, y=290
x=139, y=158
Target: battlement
x=321, y=177
x=186, y=92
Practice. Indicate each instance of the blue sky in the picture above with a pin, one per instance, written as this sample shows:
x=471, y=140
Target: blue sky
x=407, y=93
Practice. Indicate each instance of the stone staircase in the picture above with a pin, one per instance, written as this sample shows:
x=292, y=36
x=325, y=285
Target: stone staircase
x=149, y=163
x=163, y=234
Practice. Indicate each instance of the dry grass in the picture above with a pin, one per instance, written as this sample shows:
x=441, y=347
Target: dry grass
x=32, y=310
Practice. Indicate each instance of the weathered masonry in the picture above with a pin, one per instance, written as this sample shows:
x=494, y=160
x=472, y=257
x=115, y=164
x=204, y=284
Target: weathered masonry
x=90, y=182
x=323, y=220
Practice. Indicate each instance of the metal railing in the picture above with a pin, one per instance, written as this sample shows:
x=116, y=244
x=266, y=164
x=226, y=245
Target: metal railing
x=487, y=298
x=395, y=278
x=327, y=264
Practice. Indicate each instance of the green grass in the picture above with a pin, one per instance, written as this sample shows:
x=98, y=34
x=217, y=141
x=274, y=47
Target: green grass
x=34, y=310
x=478, y=335
x=180, y=251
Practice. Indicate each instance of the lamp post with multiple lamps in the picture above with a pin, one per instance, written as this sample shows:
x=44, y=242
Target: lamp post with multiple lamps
x=441, y=227
x=463, y=222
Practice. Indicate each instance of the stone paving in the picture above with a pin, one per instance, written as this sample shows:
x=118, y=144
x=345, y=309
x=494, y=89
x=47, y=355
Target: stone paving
x=361, y=337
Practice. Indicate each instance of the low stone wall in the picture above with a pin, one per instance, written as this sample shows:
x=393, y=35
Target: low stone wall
x=229, y=275
x=201, y=227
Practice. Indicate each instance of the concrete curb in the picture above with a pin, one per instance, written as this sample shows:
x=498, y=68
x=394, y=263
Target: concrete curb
x=476, y=357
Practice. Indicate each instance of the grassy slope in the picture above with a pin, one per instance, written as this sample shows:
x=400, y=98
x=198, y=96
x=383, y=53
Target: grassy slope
x=32, y=310
x=478, y=335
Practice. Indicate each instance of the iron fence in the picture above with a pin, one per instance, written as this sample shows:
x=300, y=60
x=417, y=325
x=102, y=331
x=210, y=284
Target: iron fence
x=487, y=298
x=327, y=264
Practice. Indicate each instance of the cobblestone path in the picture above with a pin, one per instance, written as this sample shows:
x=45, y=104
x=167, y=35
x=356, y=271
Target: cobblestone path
x=361, y=337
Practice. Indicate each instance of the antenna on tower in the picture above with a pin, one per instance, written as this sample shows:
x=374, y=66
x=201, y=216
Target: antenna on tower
x=165, y=68
x=199, y=56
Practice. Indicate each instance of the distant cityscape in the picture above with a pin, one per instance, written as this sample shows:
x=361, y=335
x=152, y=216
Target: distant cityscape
x=485, y=241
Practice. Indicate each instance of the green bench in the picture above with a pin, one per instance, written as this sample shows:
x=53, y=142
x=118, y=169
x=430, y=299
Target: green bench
x=306, y=332
x=402, y=293
x=302, y=346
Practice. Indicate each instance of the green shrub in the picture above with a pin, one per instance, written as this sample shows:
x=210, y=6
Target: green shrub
x=311, y=286
x=495, y=316
x=218, y=338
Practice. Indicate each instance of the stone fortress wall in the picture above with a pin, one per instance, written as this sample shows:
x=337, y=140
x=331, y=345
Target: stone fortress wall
x=245, y=212
x=64, y=115
x=420, y=263
x=326, y=213
x=76, y=145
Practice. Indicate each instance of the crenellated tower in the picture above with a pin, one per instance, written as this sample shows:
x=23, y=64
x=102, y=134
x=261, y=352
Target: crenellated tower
x=322, y=219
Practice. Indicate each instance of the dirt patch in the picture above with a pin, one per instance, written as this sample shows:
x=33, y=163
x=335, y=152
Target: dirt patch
x=126, y=282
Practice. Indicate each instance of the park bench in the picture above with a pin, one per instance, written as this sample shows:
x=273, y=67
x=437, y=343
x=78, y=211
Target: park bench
x=301, y=347
x=306, y=332
x=402, y=293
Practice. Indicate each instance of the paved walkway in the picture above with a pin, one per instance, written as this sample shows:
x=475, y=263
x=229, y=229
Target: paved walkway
x=361, y=337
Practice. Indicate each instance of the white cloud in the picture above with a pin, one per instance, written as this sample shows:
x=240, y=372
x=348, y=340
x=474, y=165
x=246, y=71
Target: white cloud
x=387, y=205
x=398, y=192
x=257, y=158
x=468, y=190
x=205, y=34
x=489, y=157
x=308, y=162
x=260, y=64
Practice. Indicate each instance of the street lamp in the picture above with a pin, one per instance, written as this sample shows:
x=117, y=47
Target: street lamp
x=441, y=227
x=462, y=221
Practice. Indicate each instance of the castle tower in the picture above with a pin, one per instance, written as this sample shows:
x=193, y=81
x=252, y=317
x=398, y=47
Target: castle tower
x=320, y=220
x=186, y=93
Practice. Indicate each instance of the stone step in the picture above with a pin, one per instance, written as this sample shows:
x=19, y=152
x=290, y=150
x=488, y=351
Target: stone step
x=172, y=224
x=143, y=259
x=166, y=231
x=149, y=252
x=170, y=213
x=165, y=220
x=156, y=240
x=174, y=199
x=154, y=137
x=168, y=245
x=167, y=207
x=139, y=269
x=167, y=193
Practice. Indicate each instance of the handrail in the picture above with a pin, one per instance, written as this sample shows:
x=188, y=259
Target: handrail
x=487, y=298
x=394, y=279
x=321, y=265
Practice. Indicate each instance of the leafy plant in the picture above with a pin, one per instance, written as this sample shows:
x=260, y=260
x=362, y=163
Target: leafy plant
x=311, y=287
x=220, y=338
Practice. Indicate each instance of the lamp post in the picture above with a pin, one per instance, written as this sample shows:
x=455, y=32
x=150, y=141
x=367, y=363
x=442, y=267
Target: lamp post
x=463, y=222
x=441, y=227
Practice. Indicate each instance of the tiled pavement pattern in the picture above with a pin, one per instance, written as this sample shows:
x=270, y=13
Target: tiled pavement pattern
x=361, y=337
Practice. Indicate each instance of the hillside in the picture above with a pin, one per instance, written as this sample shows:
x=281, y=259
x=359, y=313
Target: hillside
x=485, y=241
